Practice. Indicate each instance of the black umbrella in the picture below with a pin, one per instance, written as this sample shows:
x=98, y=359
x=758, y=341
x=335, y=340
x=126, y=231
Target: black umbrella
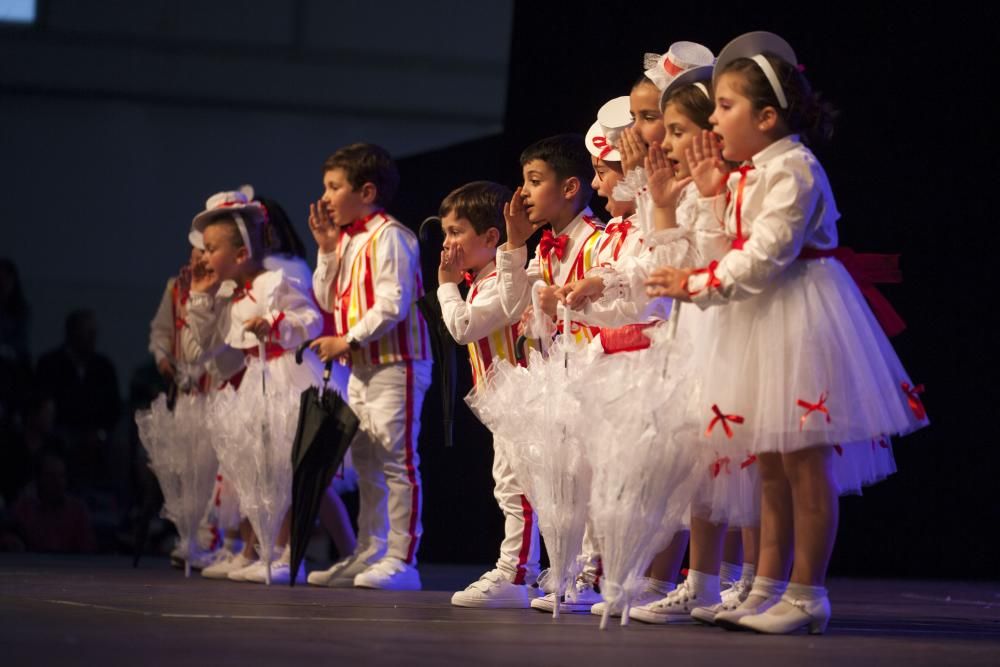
x=325, y=430
x=443, y=347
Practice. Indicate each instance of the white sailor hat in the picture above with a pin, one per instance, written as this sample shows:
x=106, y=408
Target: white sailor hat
x=237, y=204
x=700, y=76
x=662, y=69
x=602, y=137
x=754, y=45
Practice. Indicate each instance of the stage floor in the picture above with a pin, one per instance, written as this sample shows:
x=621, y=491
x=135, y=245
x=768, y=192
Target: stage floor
x=100, y=611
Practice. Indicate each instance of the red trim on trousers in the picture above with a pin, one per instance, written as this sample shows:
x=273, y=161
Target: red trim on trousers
x=410, y=470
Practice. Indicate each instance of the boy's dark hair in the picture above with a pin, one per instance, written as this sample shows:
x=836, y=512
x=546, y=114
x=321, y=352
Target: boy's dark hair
x=567, y=155
x=481, y=203
x=693, y=103
x=806, y=114
x=367, y=163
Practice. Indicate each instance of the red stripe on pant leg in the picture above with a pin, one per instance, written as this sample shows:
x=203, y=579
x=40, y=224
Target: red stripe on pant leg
x=410, y=470
x=522, y=558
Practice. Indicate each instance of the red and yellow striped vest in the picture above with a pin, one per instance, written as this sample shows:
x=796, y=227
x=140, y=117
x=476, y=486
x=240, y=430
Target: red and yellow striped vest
x=586, y=258
x=499, y=345
x=408, y=340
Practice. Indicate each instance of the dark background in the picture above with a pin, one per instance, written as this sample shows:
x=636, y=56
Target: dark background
x=912, y=170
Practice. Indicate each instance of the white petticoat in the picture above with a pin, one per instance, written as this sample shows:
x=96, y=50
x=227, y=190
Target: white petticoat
x=805, y=363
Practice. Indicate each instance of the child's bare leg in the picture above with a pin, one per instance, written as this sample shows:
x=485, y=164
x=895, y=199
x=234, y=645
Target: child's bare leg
x=815, y=503
x=666, y=565
x=249, y=539
x=285, y=531
x=751, y=544
x=706, y=545
x=337, y=523
x=775, y=548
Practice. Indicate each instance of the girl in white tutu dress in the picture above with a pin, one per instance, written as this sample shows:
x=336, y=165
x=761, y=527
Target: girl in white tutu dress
x=268, y=315
x=797, y=370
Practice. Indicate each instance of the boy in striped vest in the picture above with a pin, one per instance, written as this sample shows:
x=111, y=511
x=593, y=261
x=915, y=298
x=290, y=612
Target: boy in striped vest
x=473, y=225
x=368, y=276
x=555, y=193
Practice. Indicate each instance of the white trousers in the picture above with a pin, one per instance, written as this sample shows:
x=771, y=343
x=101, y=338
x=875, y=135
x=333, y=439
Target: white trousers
x=388, y=399
x=520, y=548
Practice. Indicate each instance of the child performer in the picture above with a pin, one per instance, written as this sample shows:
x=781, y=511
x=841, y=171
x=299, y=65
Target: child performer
x=557, y=173
x=473, y=224
x=368, y=275
x=267, y=306
x=182, y=362
x=797, y=365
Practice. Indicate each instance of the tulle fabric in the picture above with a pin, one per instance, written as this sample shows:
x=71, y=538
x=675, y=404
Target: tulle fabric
x=646, y=457
x=803, y=364
x=532, y=411
x=183, y=460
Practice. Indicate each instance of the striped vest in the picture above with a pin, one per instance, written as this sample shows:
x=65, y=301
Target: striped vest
x=586, y=258
x=498, y=345
x=408, y=340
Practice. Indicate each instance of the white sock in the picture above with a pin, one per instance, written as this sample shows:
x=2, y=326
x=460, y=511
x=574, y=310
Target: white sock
x=749, y=570
x=704, y=586
x=661, y=587
x=804, y=592
x=730, y=572
x=763, y=590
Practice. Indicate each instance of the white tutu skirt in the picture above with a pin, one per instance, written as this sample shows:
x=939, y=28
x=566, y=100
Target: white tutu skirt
x=805, y=363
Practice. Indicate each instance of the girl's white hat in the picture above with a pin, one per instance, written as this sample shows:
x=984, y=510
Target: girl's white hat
x=698, y=76
x=754, y=45
x=662, y=69
x=602, y=137
x=237, y=204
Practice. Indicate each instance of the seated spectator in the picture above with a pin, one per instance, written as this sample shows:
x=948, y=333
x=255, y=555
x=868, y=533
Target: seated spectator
x=48, y=518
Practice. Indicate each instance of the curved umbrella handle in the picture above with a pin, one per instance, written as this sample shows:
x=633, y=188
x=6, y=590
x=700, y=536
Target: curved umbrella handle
x=327, y=367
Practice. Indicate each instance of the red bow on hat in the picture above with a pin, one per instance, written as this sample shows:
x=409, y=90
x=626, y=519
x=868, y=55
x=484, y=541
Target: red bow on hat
x=551, y=242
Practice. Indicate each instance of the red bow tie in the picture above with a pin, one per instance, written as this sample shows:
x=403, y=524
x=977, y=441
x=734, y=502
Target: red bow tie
x=550, y=243
x=469, y=278
x=360, y=225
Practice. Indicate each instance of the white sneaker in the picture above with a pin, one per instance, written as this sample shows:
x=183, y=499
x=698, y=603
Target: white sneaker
x=586, y=597
x=650, y=594
x=280, y=571
x=493, y=590
x=732, y=598
x=390, y=574
x=340, y=575
x=240, y=574
x=226, y=561
x=674, y=608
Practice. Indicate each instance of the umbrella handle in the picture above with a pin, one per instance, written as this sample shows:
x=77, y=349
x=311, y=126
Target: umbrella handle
x=327, y=367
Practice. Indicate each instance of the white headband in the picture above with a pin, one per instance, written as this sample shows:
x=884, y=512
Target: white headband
x=700, y=86
x=243, y=232
x=772, y=77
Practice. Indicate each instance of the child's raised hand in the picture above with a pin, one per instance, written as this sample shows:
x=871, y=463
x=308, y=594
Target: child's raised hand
x=668, y=281
x=450, y=268
x=665, y=187
x=708, y=169
x=204, y=279
x=321, y=225
x=259, y=327
x=519, y=227
x=632, y=148
x=329, y=348
x=578, y=293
